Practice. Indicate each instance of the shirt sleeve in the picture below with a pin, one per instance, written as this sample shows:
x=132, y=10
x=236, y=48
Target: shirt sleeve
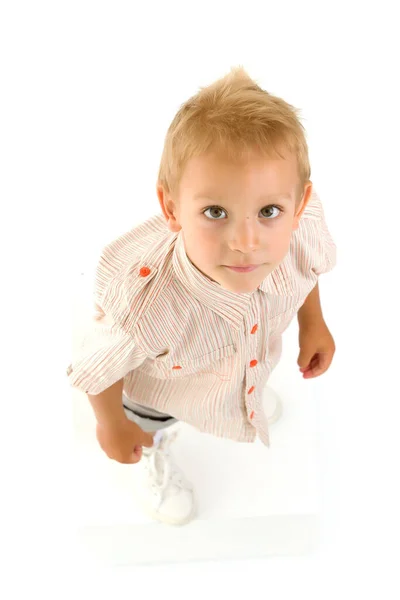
x=105, y=353
x=317, y=243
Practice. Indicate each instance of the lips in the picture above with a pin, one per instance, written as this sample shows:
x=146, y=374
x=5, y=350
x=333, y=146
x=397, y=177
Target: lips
x=241, y=266
x=243, y=269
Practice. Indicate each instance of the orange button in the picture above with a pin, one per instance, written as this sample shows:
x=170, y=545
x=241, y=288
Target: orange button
x=251, y=389
x=177, y=367
x=254, y=329
x=252, y=414
x=253, y=363
x=144, y=271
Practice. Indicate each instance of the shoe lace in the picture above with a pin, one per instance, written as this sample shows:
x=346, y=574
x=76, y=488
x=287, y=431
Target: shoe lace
x=162, y=468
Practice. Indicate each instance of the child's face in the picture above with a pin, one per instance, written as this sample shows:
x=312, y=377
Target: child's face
x=226, y=221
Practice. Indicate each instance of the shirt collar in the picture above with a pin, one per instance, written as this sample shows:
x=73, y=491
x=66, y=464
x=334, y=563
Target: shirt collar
x=232, y=306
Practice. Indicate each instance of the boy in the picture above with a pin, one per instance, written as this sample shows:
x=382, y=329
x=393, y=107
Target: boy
x=191, y=304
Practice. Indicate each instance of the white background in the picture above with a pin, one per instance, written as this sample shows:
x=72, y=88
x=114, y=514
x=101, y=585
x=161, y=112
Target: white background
x=88, y=90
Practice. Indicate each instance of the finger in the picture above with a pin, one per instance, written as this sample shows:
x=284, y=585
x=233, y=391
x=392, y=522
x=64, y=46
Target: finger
x=138, y=451
x=137, y=454
x=312, y=373
x=125, y=461
x=322, y=364
x=326, y=360
x=317, y=368
x=147, y=440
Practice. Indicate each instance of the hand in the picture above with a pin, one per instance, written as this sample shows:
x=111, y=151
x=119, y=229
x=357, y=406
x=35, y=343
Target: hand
x=123, y=441
x=317, y=348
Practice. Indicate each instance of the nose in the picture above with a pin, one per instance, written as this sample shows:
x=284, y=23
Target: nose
x=245, y=237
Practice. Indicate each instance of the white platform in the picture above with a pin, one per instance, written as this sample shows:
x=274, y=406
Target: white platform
x=252, y=501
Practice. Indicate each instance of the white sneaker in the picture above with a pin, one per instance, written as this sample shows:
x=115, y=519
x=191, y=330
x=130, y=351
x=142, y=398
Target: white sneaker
x=272, y=405
x=163, y=492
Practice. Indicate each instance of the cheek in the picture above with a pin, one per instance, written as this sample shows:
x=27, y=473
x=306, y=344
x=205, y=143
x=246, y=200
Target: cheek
x=278, y=243
x=203, y=243
x=210, y=248
x=208, y=237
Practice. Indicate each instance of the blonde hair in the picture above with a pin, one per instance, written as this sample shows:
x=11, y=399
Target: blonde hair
x=232, y=116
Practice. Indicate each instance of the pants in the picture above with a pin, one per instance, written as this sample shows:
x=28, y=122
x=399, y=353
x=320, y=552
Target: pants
x=147, y=418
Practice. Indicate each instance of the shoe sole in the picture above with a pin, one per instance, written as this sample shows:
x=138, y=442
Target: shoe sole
x=167, y=520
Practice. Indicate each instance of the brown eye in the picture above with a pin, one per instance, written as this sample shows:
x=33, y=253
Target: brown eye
x=270, y=208
x=214, y=209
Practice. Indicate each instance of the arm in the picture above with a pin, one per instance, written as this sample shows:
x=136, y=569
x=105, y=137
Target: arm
x=317, y=345
x=311, y=310
x=121, y=439
x=108, y=406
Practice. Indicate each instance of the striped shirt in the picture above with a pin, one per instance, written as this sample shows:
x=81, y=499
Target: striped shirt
x=184, y=345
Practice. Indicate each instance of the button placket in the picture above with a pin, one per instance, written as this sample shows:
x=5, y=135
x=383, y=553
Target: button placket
x=252, y=364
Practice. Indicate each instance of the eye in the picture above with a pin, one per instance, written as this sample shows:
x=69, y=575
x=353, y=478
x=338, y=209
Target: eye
x=217, y=208
x=271, y=207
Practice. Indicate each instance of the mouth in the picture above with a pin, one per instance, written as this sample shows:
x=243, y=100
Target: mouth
x=243, y=269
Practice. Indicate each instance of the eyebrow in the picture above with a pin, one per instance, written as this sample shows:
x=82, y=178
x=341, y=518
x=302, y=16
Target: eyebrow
x=273, y=197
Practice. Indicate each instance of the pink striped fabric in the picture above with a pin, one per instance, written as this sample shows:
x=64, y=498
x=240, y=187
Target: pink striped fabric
x=184, y=345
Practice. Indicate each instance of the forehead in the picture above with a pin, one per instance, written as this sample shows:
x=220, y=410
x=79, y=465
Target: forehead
x=214, y=177
x=216, y=197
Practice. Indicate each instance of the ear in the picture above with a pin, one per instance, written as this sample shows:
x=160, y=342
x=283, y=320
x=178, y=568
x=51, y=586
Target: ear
x=168, y=208
x=303, y=203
